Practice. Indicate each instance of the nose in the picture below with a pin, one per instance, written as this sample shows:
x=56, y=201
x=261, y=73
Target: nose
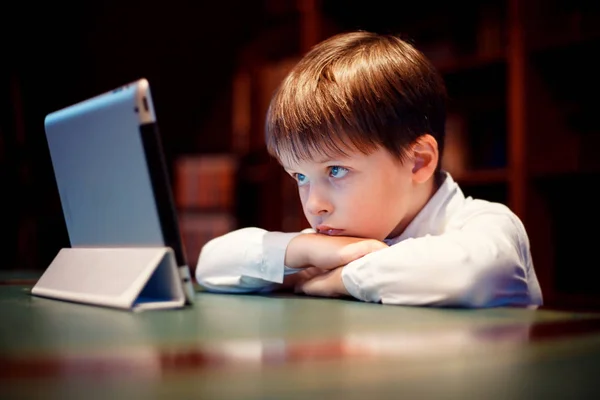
x=317, y=202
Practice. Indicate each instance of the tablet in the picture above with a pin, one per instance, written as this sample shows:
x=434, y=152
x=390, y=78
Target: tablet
x=111, y=174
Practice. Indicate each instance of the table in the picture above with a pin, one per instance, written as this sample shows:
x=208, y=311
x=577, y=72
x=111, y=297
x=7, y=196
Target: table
x=292, y=347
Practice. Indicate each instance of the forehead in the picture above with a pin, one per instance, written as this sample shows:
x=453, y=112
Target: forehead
x=321, y=152
x=290, y=159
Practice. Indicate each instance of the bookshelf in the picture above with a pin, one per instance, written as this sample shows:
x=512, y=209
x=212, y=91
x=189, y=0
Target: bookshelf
x=204, y=194
x=522, y=79
x=561, y=40
x=517, y=72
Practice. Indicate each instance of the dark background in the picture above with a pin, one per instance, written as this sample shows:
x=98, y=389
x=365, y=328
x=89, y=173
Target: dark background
x=54, y=54
x=57, y=53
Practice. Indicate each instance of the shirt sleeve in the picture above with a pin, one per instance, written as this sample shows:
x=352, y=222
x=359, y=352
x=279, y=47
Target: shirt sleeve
x=483, y=263
x=245, y=260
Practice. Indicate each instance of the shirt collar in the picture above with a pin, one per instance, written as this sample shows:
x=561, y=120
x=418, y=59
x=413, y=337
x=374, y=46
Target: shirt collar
x=433, y=217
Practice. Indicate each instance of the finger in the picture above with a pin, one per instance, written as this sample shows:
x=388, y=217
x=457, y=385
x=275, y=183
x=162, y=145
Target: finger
x=319, y=285
x=357, y=250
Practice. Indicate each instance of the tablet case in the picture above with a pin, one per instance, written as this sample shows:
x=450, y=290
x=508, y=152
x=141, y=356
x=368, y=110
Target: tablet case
x=132, y=278
x=118, y=208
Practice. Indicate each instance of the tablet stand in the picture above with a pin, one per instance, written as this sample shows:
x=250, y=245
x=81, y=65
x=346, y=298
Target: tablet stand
x=132, y=278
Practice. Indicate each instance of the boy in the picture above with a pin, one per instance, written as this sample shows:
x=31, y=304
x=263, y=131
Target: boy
x=359, y=124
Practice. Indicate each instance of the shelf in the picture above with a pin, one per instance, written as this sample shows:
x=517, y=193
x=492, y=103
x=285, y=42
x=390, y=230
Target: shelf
x=562, y=172
x=479, y=177
x=470, y=62
x=471, y=89
x=567, y=41
x=210, y=210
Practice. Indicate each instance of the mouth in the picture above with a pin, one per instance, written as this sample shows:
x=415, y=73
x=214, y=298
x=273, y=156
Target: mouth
x=327, y=230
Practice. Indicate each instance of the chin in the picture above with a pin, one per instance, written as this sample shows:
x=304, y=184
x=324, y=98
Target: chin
x=364, y=236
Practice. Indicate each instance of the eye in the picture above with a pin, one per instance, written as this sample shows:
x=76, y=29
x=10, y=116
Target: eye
x=300, y=178
x=338, y=172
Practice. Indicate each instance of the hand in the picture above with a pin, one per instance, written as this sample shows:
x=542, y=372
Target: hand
x=327, y=284
x=328, y=252
x=290, y=282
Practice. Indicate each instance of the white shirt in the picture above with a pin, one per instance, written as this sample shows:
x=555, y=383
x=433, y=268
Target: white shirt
x=458, y=252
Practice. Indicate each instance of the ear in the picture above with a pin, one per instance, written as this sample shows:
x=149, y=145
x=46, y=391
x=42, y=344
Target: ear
x=425, y=158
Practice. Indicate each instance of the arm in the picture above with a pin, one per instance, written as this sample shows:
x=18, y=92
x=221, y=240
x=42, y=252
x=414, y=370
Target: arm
x=245, y=260
x=254, y=260
x=483, y=263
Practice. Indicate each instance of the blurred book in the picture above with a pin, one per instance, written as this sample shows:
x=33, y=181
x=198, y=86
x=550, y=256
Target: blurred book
x=205, y=182
x=456, y=150
x=491, y=33
x=197, y=228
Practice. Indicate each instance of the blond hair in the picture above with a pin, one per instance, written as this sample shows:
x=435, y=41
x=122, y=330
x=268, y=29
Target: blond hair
x=356, y=90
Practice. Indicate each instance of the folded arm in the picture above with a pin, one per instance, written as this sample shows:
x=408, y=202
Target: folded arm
x=243, y=261
x=485, y=263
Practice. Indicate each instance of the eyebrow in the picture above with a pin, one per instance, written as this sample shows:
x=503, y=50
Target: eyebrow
x=324, y=160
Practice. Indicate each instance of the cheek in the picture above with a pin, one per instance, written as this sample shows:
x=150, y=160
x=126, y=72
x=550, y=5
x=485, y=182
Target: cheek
x=366, y=204
x=302, y=193
x=378, y=208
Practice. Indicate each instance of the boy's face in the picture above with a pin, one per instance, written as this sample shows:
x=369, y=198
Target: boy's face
x=370, y=196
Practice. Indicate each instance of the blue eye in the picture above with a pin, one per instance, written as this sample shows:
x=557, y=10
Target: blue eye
x=301, y=179
x=338, y=172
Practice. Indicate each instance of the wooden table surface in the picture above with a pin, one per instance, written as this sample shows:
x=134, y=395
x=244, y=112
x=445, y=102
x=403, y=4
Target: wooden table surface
x=292, y=347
